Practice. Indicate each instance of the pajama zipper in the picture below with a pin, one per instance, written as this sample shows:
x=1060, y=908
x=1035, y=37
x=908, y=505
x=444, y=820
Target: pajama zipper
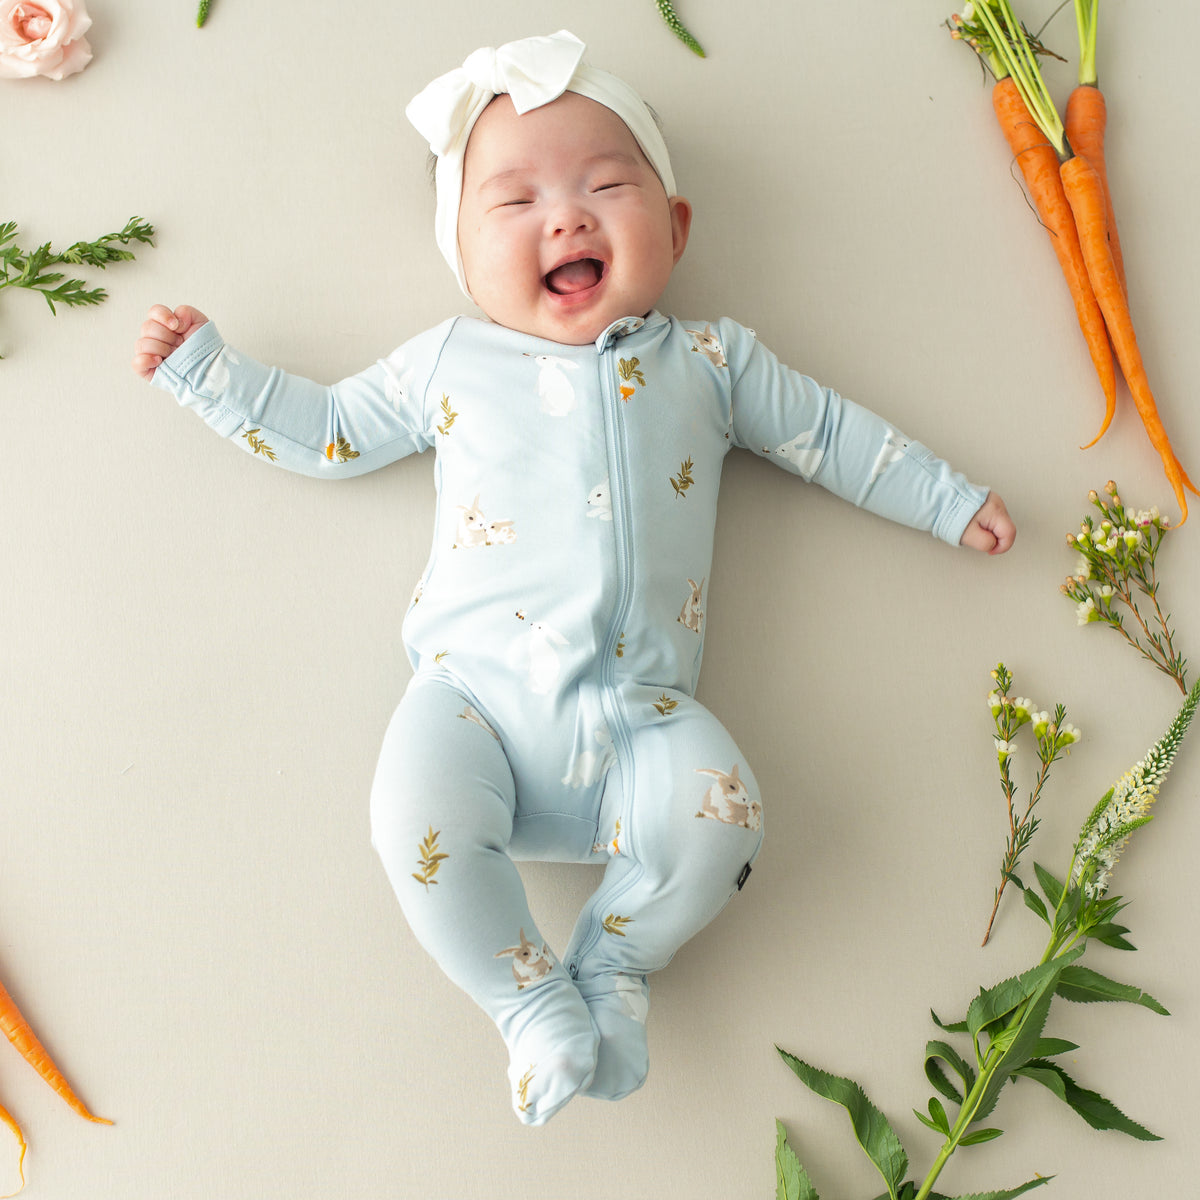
x=618, y=474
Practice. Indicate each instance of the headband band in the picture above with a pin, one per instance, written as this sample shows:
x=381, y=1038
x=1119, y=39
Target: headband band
x=533, y=72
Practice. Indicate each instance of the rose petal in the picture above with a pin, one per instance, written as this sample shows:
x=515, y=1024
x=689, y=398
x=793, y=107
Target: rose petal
x=75, y=57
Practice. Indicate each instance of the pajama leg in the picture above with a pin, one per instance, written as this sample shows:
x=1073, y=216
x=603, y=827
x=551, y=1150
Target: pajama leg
x=689, y=830
x=441, y=818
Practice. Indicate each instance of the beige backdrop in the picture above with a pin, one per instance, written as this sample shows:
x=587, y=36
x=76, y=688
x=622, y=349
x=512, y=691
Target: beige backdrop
x=201, y=653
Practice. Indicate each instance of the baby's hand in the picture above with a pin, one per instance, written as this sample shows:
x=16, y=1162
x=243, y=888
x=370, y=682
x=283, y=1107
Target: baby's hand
x=162, y=332
x=991, y=528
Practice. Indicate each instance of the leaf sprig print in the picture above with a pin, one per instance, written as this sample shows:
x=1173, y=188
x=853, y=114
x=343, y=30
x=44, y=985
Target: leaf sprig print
x=684, y=479
x=523, y=1090
x=449, y=416
x=615, y=925
x=630, y=371
x=431, y=858
x=257, y=444
x=341, y=450
x=665, y=705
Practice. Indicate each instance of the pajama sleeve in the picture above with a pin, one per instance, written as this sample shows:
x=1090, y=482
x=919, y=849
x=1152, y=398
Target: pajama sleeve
x=810, y=430
x=332, y=432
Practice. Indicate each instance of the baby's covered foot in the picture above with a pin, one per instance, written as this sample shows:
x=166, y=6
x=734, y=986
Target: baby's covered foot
x=618, y=1004
x=553, y=1056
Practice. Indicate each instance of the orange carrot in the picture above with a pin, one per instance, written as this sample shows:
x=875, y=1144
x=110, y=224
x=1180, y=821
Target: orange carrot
x=1086, y=120
x=1039, y=161
x=6, y=1119
x=1085, y=194
x=17, y=1030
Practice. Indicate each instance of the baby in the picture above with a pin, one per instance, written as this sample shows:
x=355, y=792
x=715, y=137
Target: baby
x=556, y=632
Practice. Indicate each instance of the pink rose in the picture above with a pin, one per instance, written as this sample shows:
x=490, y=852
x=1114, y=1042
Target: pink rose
x=43, y=37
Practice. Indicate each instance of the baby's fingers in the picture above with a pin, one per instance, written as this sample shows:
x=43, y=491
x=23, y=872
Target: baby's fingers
x=146, y=363
x=160, y=314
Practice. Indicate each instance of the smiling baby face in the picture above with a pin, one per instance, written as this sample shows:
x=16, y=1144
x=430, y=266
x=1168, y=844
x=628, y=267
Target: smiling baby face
x=564, y=227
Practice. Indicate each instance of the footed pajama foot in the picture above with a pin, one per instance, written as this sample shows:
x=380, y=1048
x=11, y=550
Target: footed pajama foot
x=553, y=1058
x=618, y=1004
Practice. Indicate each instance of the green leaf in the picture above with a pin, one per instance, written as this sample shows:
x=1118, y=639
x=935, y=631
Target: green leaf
x=1051, y=884
x=1098, y=1112
x=1049, y=1047
x=937, y=1119
x=1084, y=986
x=1033, y=902
x=1109, y=934
x=936, y=1050
x=995, y=1003
x=980, y=1136
x=954, y=1027
x=1018, y=1041
x=927, y=1122
x=877, y=1138
x=1005, y=1194
x=791, y=1179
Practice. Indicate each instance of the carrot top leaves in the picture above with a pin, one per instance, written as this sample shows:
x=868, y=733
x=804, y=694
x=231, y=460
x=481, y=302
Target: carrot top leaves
x=991, y=28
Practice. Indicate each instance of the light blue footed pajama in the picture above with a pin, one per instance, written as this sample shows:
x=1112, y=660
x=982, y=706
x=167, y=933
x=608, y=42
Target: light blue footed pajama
x=556, y=635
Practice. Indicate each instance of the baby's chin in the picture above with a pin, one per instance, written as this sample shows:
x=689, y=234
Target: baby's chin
x=552, y=322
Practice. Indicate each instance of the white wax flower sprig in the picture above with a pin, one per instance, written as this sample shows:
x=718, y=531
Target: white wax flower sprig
x=1116, y=570
x=1053, y=738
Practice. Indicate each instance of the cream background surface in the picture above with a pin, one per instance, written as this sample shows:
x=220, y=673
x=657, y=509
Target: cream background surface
x=200, y=654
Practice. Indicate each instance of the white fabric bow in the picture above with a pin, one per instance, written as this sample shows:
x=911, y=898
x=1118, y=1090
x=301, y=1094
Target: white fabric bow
x=533, y=71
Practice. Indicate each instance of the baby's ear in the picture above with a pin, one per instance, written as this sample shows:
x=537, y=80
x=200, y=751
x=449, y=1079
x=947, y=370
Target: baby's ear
x=681, y=225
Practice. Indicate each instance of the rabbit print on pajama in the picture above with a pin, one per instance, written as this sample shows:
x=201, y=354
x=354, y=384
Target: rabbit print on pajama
x=556, y=638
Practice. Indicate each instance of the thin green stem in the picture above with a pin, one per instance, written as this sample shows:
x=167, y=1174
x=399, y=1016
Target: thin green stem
x=970, y=1104
x=1086, y=19
x=1012, y=47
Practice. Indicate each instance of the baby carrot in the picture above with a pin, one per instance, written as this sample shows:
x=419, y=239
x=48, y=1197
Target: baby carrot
x=1087, y=116
x=1085, y=194
x=17, y=1030
x=1086, y=119
x=1039, y=162
x=6, y=1119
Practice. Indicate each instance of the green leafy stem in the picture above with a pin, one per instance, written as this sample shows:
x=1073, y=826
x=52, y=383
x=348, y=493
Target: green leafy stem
x=1005, y=1024
x=34, y=269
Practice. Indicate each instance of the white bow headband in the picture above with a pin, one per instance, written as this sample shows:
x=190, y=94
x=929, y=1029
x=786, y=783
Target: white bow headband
x=533, y=72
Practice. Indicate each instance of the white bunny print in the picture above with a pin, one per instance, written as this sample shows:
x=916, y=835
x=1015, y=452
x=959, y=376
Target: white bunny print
x=554, y=388
x=535, y=653
x=588, y=765
x=802, y=454
x=600, y=502
x=634, y=1000
x=216, y=378
x=529, y=963
x=728, y=801
x=891, y=451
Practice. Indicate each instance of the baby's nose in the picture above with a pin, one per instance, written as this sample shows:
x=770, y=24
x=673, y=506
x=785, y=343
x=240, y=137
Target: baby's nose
x=571, y=216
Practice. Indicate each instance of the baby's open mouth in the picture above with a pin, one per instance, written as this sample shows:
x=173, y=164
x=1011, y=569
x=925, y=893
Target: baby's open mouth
x=575, y=276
